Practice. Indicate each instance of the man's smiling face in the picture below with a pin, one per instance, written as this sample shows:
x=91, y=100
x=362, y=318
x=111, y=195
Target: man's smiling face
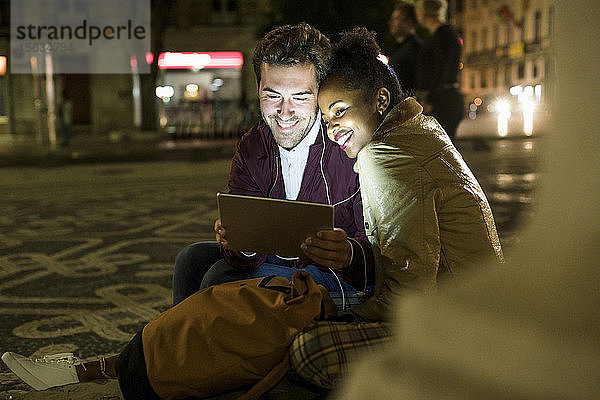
x=288, y=101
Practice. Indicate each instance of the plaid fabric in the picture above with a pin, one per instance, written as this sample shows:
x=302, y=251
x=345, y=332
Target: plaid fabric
x=324, y=351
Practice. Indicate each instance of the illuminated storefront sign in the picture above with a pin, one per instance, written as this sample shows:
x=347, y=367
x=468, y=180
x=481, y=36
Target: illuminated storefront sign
x=197, y=60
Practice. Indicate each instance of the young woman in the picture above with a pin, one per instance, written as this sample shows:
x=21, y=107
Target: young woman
x=425, y=213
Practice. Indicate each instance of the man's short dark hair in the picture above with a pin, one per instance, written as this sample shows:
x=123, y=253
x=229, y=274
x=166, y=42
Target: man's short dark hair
x=291, y=45
x=409, y=11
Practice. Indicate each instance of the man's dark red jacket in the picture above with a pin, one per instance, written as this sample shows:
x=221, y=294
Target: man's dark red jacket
x=328, y=178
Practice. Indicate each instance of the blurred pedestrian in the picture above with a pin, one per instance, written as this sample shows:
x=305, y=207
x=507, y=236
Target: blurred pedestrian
x=404, y=55
x=65, y=113
x=438, y=66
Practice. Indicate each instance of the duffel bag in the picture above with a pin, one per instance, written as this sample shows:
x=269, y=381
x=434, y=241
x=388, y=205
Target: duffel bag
x=225, y=337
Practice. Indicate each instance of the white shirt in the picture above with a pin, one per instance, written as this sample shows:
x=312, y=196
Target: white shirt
x=294, y=161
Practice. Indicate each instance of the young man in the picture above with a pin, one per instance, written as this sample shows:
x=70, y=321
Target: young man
x=289, y=156
x=438, y=67
x=406, y=52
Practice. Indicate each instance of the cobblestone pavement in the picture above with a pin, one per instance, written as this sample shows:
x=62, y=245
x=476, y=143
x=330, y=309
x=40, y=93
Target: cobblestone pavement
x=86, y=251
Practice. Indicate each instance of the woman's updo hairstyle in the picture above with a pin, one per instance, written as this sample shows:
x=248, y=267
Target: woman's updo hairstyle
x=355, y=60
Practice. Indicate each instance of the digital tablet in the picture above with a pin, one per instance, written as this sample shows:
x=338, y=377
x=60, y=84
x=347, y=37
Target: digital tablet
x=271, y=226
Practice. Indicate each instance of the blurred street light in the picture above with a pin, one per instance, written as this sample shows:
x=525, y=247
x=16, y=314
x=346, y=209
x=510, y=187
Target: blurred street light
x=528, y=106
x=502, y=107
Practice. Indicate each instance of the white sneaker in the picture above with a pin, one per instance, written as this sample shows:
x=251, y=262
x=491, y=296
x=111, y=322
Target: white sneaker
x=46, y=372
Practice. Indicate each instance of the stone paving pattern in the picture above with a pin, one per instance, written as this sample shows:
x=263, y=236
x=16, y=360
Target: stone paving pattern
x=87, y=251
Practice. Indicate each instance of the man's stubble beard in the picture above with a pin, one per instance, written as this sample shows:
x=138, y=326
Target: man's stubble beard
x=290, y=140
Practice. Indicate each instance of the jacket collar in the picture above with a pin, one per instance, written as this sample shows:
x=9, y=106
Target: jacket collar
x=314, y=163
x=398, y=116
x=317, y=151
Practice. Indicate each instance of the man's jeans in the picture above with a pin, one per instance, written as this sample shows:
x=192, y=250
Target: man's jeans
x=200, y=265
x=191, y=264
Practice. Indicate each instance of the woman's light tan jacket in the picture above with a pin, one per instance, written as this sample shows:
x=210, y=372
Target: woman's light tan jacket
x=425, y=213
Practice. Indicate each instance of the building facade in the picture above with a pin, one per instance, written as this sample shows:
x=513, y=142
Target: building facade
x=507, y=59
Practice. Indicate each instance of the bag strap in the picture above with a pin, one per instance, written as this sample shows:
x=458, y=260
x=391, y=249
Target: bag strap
x=265, y=281
x=269, y=381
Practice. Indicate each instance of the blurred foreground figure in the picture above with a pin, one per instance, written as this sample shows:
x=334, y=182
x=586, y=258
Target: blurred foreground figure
x=531, y=331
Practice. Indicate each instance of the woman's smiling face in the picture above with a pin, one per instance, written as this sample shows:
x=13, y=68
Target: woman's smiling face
x=351, y=120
